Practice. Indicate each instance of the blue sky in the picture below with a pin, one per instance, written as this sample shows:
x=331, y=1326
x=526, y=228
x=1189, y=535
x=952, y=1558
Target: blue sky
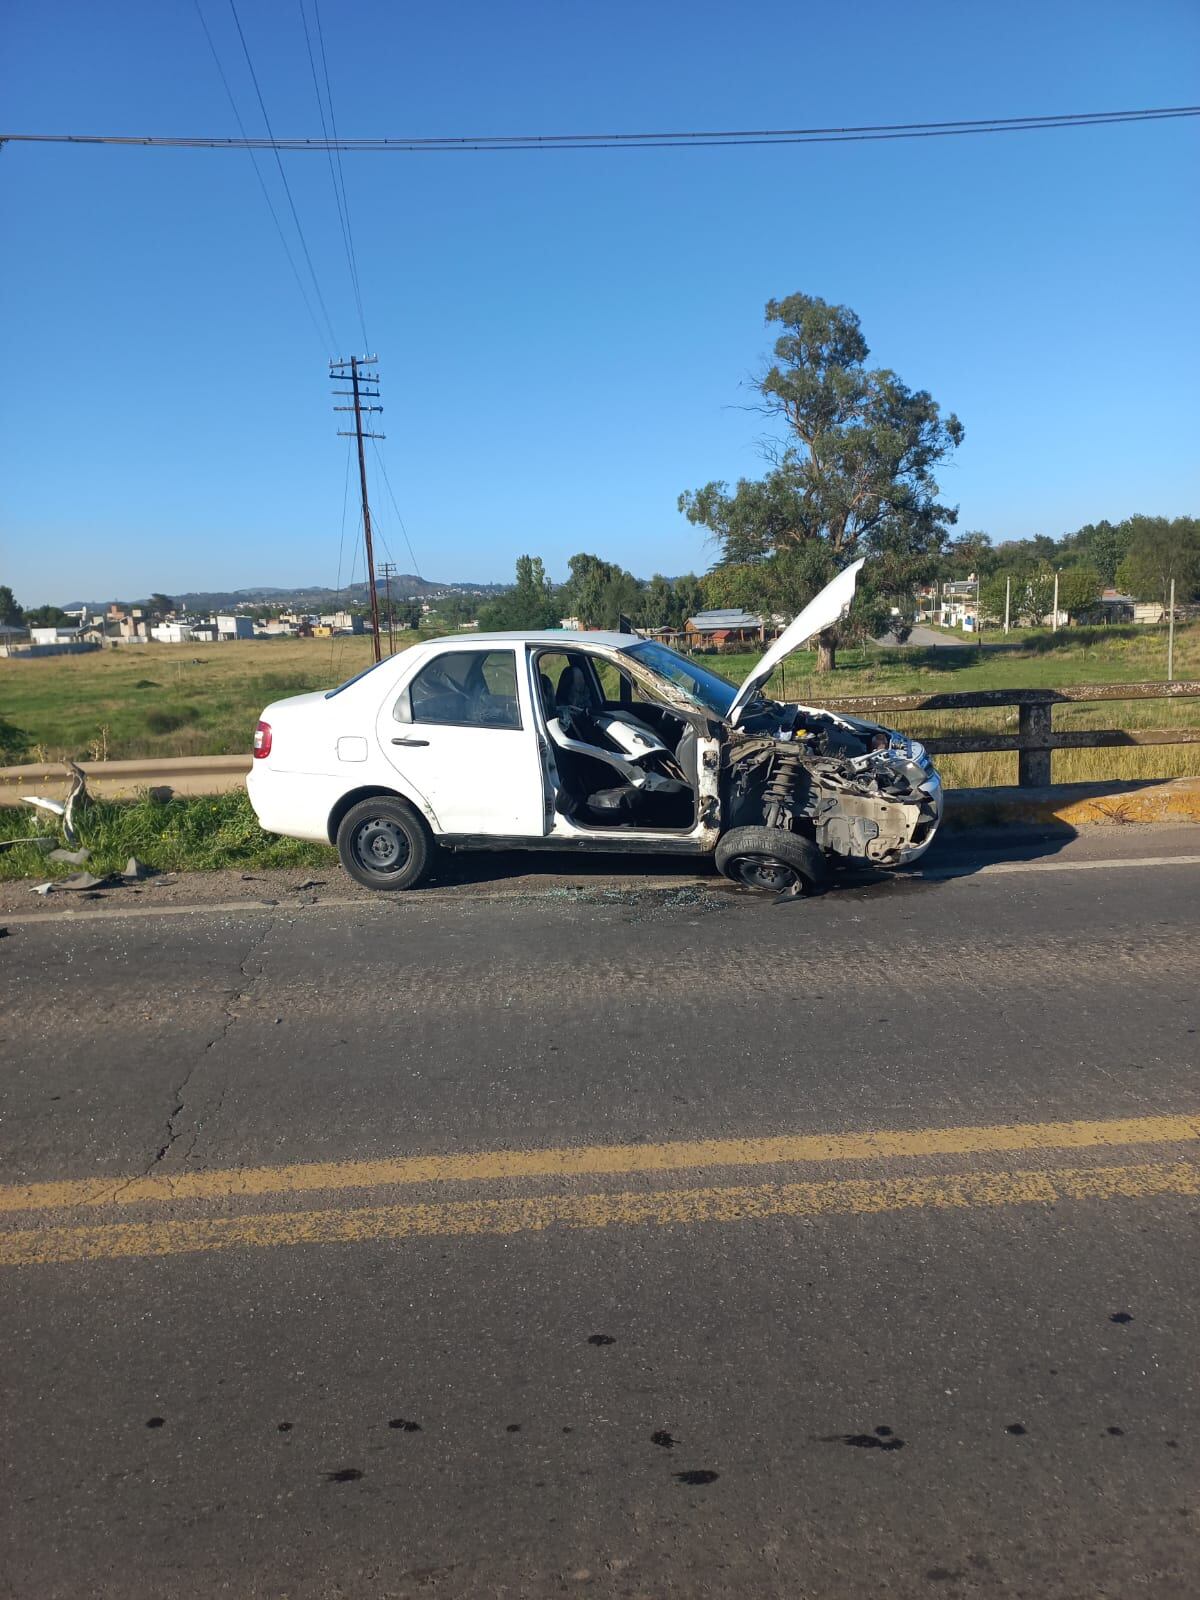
x=566, y=338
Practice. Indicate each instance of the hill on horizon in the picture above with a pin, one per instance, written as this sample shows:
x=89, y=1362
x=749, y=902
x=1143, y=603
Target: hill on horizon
x=404, y=586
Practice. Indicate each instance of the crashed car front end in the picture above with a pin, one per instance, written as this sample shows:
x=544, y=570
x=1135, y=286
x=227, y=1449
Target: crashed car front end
x=861, y=792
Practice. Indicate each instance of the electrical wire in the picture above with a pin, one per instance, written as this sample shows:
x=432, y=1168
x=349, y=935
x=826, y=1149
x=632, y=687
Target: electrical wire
x=396, y=509
x=341, y=174
x=262, y=182
x=338, y=194
x=693, y=139
x=276, y=146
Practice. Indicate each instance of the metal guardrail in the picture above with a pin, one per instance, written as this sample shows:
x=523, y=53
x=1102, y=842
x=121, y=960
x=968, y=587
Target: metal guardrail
x=1035, y=737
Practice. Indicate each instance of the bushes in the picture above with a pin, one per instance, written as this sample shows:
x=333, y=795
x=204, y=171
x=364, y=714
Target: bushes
x=170, y=720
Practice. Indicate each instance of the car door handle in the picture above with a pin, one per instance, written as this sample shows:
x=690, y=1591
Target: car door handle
x=411, y=741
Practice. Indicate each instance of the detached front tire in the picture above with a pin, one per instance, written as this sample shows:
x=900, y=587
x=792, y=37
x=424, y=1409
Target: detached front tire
x=772, y=861
x=384, y=844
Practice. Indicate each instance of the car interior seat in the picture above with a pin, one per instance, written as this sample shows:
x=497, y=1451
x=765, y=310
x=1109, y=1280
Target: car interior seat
x=574, y=689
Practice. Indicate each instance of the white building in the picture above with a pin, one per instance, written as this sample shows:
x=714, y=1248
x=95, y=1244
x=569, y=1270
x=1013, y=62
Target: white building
x=54, y=635
x=235, y=628
x=172, y=632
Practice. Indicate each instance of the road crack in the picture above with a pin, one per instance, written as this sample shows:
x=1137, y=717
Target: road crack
x=175, y=1130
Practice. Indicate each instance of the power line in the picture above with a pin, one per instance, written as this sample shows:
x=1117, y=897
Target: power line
x=396, y=508
x=693, y=139
x=341, y=174
x=262, y=182
x=274, y=144
x=338, y=194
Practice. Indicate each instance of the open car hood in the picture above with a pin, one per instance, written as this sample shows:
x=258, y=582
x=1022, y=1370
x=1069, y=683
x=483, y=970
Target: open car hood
x=821, y=612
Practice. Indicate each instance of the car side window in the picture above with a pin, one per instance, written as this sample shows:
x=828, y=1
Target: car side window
x=464, y=689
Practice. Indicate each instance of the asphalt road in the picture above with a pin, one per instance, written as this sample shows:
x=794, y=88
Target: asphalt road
x=927, y=639
x=614, y=1236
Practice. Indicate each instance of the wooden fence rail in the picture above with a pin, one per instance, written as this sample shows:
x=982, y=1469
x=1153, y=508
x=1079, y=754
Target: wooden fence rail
x=1035, y=737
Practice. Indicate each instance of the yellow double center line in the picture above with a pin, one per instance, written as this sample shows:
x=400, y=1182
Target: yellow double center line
x=567, y=1209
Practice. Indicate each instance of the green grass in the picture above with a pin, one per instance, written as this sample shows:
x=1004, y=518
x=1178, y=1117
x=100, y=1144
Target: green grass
x=161, y=699
x=186, y=834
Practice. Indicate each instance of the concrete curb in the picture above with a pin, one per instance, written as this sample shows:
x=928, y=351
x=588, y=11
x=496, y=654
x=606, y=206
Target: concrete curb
x=1075, y=805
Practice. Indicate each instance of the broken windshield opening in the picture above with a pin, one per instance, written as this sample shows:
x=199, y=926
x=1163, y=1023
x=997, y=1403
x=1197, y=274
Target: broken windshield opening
x=707, y=690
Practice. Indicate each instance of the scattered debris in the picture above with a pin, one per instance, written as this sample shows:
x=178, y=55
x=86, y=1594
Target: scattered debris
x=78, y=796
x=311, y=883
x=54, y=807
x=75, y=858
x=135, y=870
x=43, y=888
x=79, y=880
x=3, y=933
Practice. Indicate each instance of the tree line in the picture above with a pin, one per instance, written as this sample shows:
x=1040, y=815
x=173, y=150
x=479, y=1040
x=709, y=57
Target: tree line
x=1139, y=557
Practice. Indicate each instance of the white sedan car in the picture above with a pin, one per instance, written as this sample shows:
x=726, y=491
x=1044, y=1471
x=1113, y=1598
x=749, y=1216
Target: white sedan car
x=590, y=741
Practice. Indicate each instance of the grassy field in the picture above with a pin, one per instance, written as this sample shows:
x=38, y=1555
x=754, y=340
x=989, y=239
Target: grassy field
x=182, y=700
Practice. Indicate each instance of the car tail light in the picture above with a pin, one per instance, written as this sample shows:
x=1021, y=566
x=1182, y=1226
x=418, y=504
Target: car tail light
x=262, y=741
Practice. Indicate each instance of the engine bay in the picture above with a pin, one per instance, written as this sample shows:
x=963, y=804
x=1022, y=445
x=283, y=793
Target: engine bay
x=858, y=791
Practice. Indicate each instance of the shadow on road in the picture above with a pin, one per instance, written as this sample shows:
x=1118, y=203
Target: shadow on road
x=957, y=855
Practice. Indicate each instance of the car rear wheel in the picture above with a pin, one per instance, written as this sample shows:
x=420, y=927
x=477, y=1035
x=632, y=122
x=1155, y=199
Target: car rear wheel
x=384, y=844
x=772, y=861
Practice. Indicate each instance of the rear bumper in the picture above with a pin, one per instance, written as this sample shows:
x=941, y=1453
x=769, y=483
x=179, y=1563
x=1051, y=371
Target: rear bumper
x=295, y=804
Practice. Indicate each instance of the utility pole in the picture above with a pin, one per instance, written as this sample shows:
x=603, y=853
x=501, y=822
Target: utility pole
x=1171, y=636
x=357, y=377
x=388, y=572
x=1007, y=600
x=1054, y=624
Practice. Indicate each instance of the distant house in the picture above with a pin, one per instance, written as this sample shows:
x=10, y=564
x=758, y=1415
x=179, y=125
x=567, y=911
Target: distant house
x=55, y=635
x=235, y=628
x=172, y=632
x=723, y=630
x=1114, y=606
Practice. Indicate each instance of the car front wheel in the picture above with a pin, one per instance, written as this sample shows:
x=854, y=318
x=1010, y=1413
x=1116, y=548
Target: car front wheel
x=772, y=861
x=384, y=844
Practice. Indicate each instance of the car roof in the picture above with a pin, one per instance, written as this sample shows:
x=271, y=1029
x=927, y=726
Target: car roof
x=563, y=637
